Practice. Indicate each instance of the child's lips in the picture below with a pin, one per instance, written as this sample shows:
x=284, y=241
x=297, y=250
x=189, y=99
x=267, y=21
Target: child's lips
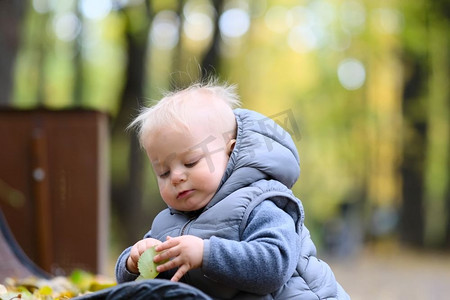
x=184, y=194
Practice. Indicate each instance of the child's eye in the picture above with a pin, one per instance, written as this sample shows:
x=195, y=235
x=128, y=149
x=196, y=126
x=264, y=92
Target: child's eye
x=191, y=164
x=164, y=175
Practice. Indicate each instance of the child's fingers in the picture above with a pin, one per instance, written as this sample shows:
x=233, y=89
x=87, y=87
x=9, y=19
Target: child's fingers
x=169, y=243
x=134, y=253
x=132, y=260
x=151, y=243
x=168, y=265
x=167, y=254
x=143, y=245
x=141, y=248
x=180, y=273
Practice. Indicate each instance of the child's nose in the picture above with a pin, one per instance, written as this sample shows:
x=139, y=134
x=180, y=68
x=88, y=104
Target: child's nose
x=178, y=176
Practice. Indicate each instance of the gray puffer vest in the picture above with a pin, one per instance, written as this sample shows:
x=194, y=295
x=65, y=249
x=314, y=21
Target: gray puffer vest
x=262, y=168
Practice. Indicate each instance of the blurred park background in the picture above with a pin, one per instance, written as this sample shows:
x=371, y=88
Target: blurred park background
x=363, y=85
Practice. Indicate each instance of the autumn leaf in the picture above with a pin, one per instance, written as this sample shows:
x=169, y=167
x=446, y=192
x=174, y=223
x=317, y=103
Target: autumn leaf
x=146, y=265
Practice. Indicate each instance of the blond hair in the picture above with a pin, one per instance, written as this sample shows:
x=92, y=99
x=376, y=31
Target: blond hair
x=172, y=109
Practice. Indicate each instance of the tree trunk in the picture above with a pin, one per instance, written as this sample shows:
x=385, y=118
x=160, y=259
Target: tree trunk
x=210, y=61
x=413, y=164
x=127, y=199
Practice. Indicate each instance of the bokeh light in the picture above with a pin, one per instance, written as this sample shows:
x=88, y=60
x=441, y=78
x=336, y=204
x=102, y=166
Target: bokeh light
x=324, y=12
x=66, y=26
x=302, y=39
x=41, y=6
x=234, y=23
x=310, y=26
x=300, y=16
x=164, y=33
x=351, y=74
x=389, y=20
x=198, y=25
x=95, y=10
x=353, y=16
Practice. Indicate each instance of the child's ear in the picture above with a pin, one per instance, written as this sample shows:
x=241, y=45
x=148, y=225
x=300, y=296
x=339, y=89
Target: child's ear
x=230, y=146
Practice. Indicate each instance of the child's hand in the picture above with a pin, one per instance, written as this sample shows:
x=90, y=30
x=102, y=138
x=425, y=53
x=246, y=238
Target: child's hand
x=184, y=252
x=137, y=250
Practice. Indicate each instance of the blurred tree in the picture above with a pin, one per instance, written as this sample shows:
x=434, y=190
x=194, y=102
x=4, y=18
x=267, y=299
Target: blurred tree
x=437, y=213
x=11, y=16
x=78, y=63
x=384, y=86
x=426, y=109
x=412, y=166
x=210, y=61
x=127, y=197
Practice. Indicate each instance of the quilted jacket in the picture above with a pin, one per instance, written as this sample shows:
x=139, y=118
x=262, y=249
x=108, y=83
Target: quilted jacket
x=255, y=243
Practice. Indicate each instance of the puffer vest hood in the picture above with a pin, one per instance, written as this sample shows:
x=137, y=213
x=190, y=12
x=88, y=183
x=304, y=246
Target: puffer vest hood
x=263, y=150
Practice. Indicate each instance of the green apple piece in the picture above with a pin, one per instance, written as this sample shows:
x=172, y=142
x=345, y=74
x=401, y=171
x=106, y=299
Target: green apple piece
x=146, y=266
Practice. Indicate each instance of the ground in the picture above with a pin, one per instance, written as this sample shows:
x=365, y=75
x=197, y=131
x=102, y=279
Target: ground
x=394, y=274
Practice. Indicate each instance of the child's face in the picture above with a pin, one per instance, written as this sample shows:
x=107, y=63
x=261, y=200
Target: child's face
x=189, y=165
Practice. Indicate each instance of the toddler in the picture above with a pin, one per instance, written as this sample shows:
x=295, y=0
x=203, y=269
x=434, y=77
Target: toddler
x=232, y=228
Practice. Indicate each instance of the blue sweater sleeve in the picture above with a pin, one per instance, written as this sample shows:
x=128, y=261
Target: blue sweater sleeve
x=122, y=273
x=264, y=259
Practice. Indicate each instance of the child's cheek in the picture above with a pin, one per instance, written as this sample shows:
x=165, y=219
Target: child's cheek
x=162, y=184
x=163, y=190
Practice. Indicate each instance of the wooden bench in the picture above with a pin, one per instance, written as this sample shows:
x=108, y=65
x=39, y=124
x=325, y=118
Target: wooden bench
x=54, y=187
